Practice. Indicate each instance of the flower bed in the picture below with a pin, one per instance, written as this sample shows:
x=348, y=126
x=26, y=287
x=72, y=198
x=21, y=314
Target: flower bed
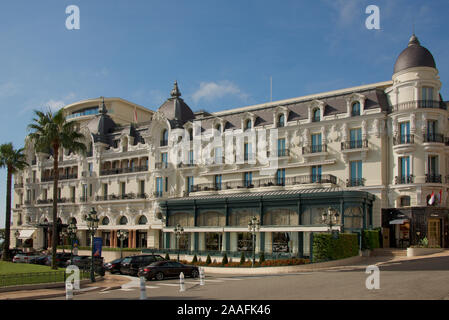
x=246, y=264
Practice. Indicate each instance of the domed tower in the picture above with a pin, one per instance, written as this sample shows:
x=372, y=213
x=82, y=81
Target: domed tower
x=175, y=109
x=418, y=122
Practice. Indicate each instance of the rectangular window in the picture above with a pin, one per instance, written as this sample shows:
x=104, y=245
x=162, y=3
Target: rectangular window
x=405, y=132
x=316, y=174
x=404, y=169
x=432, y=127
x=159, y=187
x=85, y=191
x=45, y=196
x=34, y=194
x=91, y=167
x=123, y=188
x=356, y=173
x=432, y=165
x=218, y=155
x=316, y=143
x=427, y=94
x=248, y=182
x=59, y=193
x=166, y=184
x=164, y=159
x=72, y=193
x=355, y=138
x=34, y=176
x=248, y=150
x=191, y=158
x=105, y=190
x=189, y=184
x=218, y=182
x=281, y=148
x=28, y=195
x=142, y=187
x=280, y=177
x=91, y=190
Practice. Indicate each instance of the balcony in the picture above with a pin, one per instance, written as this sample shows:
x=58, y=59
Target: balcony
x=84, y=199
x=50, y=201
x=27, y=202
x=354, y=144
x=433, y=178
x=161, y=165
x=355, y=182
x=417, y=104
x=18, y=185
x=279, y=153
x=434, y=137
x=186, y=165
x=404, y=139
x=61, y=177
x=109, y=172
x=157, y=194
x=310, y=150
x=404, y=179
x=269, y=182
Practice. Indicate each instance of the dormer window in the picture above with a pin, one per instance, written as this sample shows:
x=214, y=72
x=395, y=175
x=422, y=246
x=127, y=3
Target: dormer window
x=281, y=121
x=248, y=125
x=355, y=109
x=190, y=134
x=316, y=115
x=218, y=128
x=164, y=140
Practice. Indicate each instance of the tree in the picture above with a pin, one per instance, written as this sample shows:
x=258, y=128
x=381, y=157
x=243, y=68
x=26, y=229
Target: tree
x=242, y=258
x=208, y=259
x=50, y=132
x=13, y=160
x=225, y=259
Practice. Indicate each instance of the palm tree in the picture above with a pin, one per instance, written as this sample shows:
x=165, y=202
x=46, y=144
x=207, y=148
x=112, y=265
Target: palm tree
x=50, y=133
x=13, y=160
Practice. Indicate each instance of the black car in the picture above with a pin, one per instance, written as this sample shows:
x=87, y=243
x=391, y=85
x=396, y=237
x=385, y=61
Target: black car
x=61, y=259
x=84, y=263
x=113, y=266
x=166, y=269
x=131, y=265
x=12, y=252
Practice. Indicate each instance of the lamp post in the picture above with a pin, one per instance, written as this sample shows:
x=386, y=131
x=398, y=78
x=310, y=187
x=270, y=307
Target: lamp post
x=253, y=227
x=92, y=224
x=330, y=217
x=17, y=234
x=178, y=231
x=122, y=235
x=62, y=235
x=71, y=231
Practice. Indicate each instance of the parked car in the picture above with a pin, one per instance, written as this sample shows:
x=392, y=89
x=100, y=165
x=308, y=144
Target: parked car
x=24, y=257
x=131, y=265
x=41, y=259
x=113, y=266
x=61, y=259
x=166, y=269
x=12, y=252
x=84, y=263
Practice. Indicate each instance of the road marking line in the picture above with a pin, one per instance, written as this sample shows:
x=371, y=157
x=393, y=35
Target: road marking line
x=103, y=292
x=152, y=287
x=233, y=279
x=124, y=289
x=214, y=280
x=169, y=284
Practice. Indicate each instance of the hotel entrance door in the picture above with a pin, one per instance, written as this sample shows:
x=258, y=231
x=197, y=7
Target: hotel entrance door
x=434, y=232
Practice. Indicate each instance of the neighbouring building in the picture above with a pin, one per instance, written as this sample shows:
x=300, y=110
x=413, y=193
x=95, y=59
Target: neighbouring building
x=374, y=153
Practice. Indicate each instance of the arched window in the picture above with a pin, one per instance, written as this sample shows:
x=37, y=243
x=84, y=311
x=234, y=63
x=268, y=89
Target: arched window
x=248, y=124
x=164, y=140
x=143, y=220
x=73, y=220
x=316, y=115
x=191, y=134
x=105, y=221
x=281, y=121
x=218, y=128
x=355, y=109
x=123, y=220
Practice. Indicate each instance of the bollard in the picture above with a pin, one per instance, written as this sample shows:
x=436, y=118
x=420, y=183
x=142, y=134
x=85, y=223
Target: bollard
x=181, y=282
x=68, y=291
x=201, y=276
x=143, y=289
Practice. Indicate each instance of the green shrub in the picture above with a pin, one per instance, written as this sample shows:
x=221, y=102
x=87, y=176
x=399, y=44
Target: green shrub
x=261, y=258
x=242, y=258
x=326, y=248
x=167, y=256
x=208, y=260
x=195, y=259
x=225, y=259
x=370, y=239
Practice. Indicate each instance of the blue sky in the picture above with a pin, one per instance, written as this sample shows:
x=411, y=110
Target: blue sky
x=221, y=52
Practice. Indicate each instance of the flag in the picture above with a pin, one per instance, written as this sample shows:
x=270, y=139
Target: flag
x=432, y=198
x=135, y=114
x=440, y=196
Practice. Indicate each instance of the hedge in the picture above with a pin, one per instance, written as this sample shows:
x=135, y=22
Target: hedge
x=326, y=248
x=370, y=239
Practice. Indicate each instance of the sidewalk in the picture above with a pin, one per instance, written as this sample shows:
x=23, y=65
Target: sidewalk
x=108, y=282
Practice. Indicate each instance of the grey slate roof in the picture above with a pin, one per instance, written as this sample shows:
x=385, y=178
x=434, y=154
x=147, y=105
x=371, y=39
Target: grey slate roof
x=414, y=55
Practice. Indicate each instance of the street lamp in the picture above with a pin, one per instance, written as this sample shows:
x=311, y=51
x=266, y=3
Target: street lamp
x=71, y=231
x=92, y=224
x=330, y=217
x=122, y=235
x=178, y=231
x=253, y=227
x=62, y=235
x=17, y=235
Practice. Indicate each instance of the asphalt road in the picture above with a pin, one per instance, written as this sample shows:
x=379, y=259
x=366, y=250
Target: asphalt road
x=416, y=279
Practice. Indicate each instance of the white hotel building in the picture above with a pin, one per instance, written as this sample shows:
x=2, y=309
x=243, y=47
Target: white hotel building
x=375, y=153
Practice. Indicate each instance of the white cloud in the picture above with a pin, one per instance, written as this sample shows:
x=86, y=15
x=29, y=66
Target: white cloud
x=209, y=91
x=8, y=89
x=54, y=105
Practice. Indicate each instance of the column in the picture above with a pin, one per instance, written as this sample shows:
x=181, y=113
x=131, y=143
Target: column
x=192, y=241
x=268, y=242
x=295, y=243
x=233, y=241
x=223, y=241
x=202, y=241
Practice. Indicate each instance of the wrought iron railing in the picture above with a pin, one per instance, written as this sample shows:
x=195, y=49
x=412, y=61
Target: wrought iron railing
x=404, y=139
x=404, y=179
x=279, y=153
x=419, y=104
x=434, y=137
x=354, y=144
x=314, y=149
x=108, y=172
x=433, y=178
x=161, y=165
x=355, y=182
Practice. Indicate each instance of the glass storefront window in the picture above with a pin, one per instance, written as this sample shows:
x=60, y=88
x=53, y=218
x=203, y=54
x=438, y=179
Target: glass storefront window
x=280, y=242
x=244, y=241
x=213, y=241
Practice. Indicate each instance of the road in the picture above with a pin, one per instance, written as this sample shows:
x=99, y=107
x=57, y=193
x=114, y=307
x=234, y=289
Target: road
x=416, y=279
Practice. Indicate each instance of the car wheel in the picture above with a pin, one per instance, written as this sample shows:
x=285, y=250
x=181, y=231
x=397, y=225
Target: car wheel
x=159, y=276
x=194, y=274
